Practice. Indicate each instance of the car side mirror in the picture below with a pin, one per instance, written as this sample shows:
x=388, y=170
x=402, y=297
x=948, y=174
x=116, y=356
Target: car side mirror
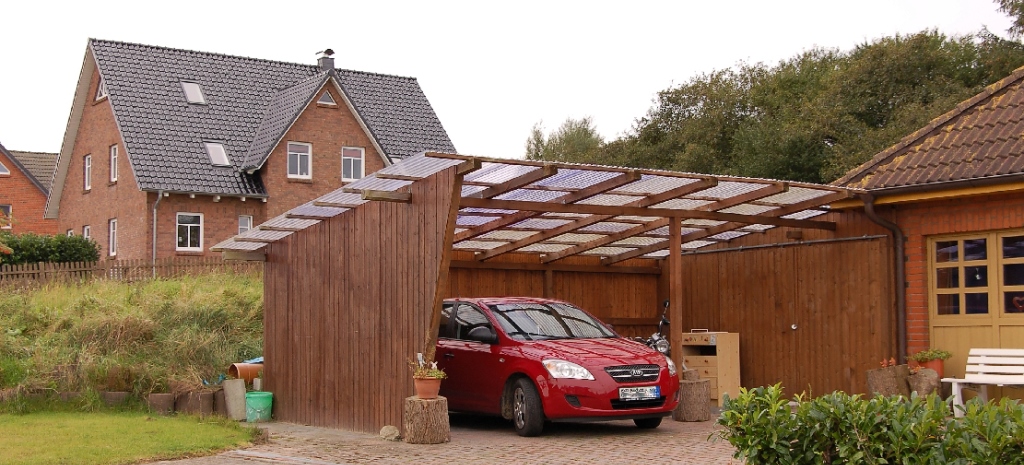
x=483, y=334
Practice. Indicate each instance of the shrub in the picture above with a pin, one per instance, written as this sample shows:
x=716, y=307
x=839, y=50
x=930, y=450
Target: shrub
x=840, y=428
x=34, y=248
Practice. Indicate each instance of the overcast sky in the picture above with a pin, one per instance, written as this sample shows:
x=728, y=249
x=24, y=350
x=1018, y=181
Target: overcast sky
x=490, y=69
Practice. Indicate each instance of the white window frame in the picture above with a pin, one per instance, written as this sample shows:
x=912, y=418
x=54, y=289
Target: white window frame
x=330, y=99
x=9, y=213
x=217, y=153
x=87, y=172
x=112, y=237
x=362, y=163
x=298, y=166
x=70, y=233
x=113, y=163
x=244, y=221
x=87, y=232
x=177, y=224
x=101, y=90
x=185, y=85
x=4, y=171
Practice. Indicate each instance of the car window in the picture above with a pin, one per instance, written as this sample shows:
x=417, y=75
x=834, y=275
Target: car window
x=444, y=330
x=534, y=320
x=466, y=318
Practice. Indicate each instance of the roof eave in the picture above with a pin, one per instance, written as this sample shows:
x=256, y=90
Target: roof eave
x=17, y=164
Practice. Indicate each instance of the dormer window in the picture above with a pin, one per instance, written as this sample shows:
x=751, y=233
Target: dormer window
x=193, y=92
x=4, y=170
x=218, y=157
x=326, y=99
x=101, y=90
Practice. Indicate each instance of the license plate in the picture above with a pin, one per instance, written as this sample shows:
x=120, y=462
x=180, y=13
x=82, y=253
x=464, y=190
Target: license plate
x=639, y=393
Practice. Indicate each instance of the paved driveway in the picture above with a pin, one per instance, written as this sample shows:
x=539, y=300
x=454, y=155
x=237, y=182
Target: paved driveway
x=477, y=440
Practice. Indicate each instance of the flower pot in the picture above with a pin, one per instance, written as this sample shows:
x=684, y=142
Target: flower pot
x=427, y=388
x=934, y=365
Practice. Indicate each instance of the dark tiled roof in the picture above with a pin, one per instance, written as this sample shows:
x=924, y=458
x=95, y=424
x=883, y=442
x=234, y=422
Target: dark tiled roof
x=282, y=111
x=983, y=137
x=163, y=133
x=39, y=165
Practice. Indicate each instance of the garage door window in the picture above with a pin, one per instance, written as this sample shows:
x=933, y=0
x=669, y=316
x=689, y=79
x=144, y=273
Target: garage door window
x=977, y=275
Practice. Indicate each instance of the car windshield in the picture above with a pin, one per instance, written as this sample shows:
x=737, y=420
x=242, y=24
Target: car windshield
x=535, y=320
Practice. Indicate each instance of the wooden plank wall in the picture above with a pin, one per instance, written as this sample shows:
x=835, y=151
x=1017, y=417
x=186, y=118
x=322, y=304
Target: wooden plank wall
x=341, y=301
x=839, y=294
x=629, y=301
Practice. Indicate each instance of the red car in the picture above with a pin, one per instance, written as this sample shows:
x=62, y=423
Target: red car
x=533, y=360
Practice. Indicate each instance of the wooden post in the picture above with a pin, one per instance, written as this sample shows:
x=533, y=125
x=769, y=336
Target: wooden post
x=675, y=289
x=425, y=421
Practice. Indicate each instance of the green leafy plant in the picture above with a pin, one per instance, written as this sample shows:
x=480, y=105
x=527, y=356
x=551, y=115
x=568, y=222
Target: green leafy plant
x=929, y=355
x=34, y=248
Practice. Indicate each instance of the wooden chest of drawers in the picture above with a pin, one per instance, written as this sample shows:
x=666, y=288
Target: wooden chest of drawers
x=716, y=357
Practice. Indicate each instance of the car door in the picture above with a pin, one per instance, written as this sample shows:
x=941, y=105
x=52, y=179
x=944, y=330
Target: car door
x=474, y=381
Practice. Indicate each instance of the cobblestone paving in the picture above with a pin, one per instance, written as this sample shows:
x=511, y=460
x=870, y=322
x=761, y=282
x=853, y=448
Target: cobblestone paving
x=477, y=440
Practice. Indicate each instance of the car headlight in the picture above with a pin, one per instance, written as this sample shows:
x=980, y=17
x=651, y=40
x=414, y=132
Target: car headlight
x=671, y=366
x=661, y=346
x=566, y=370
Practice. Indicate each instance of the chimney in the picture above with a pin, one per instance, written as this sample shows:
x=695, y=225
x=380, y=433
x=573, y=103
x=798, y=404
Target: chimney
x=325, y=61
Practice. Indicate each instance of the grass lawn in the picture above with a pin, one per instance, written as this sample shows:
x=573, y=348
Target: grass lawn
x=112, y=437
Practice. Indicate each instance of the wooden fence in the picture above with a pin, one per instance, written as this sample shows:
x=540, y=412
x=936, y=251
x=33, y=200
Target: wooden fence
x=35, y=274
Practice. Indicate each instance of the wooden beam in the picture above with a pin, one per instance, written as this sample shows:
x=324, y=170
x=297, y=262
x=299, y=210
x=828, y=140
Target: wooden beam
x=472, y=264
x=771, y=189
x=524, y=206
x=545, y=171
x=467, y=166
x=680, y=191
x=548, y=258
x=386, y=196
x=238, y=255
x=675, y=291
x=321, y=203
x=397, y=176
x=599, y=188
x=443, y=269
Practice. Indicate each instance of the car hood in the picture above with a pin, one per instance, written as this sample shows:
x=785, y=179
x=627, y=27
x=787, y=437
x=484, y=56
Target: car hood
x=597, y=352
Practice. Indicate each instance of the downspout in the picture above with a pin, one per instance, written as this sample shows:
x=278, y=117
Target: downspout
x=159, y=196
x=901, y=284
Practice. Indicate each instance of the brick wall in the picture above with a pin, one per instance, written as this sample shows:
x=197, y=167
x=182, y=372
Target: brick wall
x=26, y=200
x=954, y=216
x=105, y=200
x=220, y=220
x=328, y=129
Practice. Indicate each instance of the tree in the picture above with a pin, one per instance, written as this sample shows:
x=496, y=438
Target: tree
x=816, y=115
x=575, y=141
x=1015, y=10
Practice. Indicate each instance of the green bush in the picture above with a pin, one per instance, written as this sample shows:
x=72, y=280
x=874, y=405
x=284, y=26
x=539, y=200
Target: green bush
x=34, y=248
x=840, y=428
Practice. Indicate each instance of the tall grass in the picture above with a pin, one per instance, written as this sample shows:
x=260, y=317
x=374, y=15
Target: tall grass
x=153, y=336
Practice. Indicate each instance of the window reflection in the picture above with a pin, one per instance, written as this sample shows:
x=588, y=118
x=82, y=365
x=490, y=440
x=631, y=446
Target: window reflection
x=974, y=249
x=1013, y=275
x=976, y=303
x=947, y=278
x=946, y=252
x=949, y=304
x=976, y=276
x=1013, y=247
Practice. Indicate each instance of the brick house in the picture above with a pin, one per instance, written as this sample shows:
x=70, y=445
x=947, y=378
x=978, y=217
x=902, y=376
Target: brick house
x=24, y=184
x=955, y=191
x=168, y=152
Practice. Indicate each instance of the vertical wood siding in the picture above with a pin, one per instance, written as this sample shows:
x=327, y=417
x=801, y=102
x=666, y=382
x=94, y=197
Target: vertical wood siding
x=837, y=293
x=341, y=301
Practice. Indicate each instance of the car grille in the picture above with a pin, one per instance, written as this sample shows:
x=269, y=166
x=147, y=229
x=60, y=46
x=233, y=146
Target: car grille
x=628, y=404
x=633, y=373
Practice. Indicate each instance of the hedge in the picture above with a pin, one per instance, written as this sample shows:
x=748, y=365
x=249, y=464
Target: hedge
x=840, y=428
x=34, y=248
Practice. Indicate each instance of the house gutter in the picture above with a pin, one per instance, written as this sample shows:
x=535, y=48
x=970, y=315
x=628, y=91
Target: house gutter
x=937, y=185
x=159, y=196
x=901, y=283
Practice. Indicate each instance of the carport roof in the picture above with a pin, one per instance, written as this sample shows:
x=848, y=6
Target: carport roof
x=559, y=210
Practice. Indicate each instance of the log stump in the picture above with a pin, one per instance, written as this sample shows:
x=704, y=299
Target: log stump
x=924, y=382
x=694, y=401
x=425, y=421
x=889, y=381
x=689, y=375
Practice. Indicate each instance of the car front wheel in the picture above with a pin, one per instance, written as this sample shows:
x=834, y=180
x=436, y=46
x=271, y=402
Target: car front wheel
x=647, y=423
x=527, y=413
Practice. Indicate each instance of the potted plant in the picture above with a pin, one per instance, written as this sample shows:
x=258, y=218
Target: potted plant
x=426, y=378
x=931, y=358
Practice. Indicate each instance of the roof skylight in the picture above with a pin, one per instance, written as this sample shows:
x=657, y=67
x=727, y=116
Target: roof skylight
x=193, y=92
x=218, y=156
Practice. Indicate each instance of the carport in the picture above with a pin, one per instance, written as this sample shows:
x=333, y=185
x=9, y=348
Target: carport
x=354, y=278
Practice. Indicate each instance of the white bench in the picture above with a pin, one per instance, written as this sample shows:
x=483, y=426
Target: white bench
x=988, y=367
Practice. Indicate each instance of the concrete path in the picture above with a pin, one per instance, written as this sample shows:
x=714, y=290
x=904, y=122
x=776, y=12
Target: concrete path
x=480, y=440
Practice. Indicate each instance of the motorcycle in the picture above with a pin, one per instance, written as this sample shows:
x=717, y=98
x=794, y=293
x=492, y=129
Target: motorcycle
x=657, y=341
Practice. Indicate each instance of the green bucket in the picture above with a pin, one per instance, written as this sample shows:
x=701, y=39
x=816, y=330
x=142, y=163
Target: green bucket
x=257, y=406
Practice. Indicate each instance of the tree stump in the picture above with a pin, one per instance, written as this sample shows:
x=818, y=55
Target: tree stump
x=924, y=382
x=690, y=375
x=889, y=381
x=694, y=401
x=425, y=421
